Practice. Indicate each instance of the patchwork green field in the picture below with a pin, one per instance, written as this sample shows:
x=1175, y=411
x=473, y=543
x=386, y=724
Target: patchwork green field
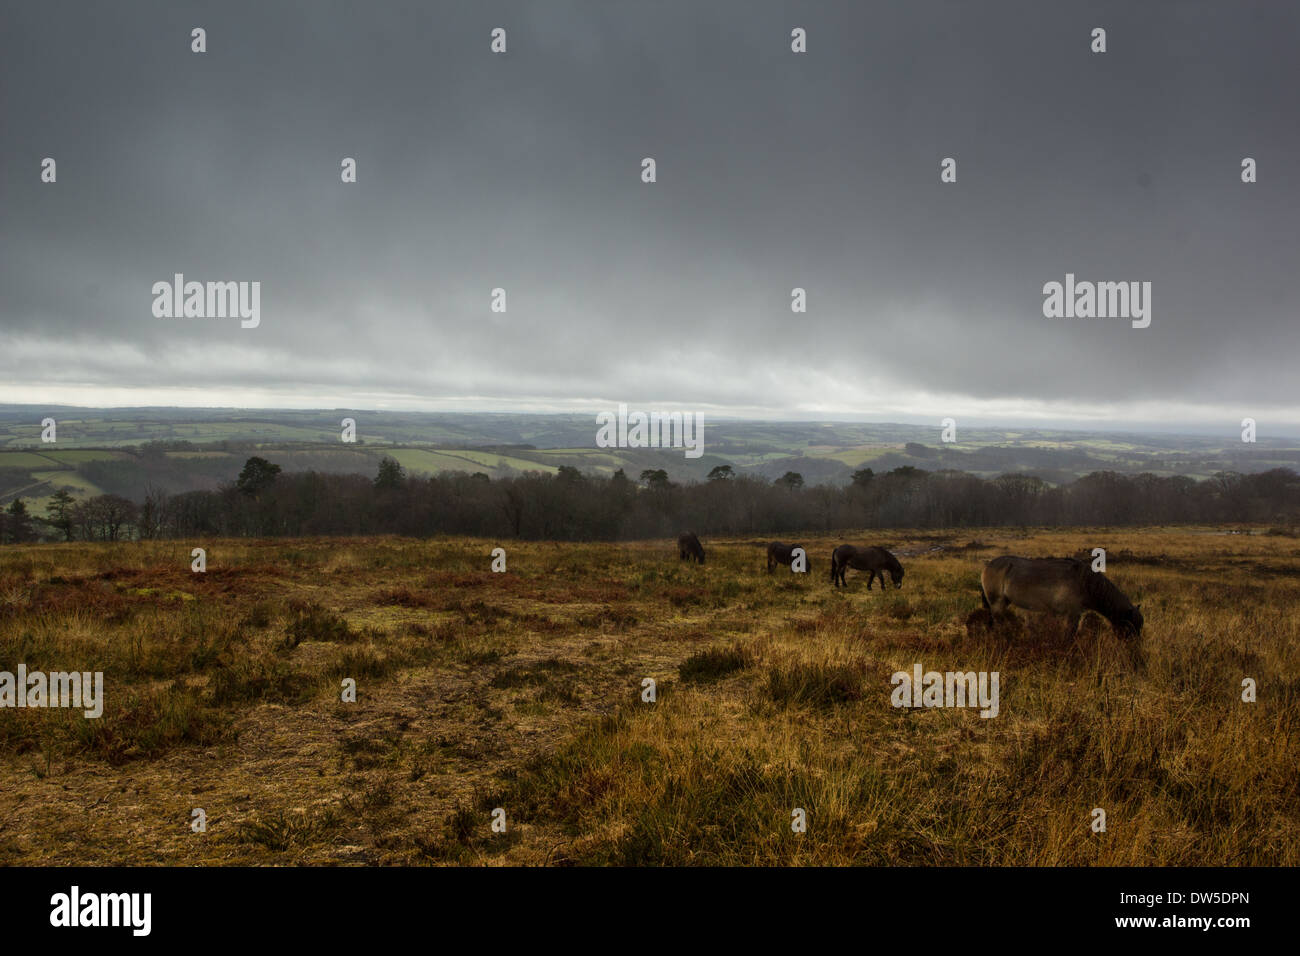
x=500, y=445
x=524, y=692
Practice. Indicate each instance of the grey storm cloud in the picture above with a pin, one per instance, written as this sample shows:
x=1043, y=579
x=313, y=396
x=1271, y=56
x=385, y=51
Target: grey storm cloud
x=775, y=170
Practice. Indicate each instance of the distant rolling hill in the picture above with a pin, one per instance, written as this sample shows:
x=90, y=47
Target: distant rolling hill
x=176, y=449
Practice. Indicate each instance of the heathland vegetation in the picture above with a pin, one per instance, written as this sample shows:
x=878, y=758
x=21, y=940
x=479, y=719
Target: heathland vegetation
x=524, y=691
x=515, y=685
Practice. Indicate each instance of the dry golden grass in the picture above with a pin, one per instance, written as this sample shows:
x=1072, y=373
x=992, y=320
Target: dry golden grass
x=523, y=691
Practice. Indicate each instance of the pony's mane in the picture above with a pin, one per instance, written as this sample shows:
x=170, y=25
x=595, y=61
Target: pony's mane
x=1105, y=598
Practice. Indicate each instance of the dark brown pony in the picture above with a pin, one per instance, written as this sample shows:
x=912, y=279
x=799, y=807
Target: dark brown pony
x=875, y=560
x=689, y=547
x=779, y=553
x=1063, y=586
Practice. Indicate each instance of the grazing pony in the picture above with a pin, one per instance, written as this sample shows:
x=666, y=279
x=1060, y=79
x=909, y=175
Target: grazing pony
x=780, y=553
x=875, y=560
x=1063, y=586
x=689, y=547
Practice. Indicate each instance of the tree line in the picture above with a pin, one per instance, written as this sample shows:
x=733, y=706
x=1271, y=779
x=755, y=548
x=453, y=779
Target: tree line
x=569, y=505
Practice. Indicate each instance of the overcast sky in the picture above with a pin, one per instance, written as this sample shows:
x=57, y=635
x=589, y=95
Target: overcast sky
x=775, y=170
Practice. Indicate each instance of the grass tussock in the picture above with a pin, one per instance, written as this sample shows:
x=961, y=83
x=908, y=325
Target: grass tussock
x=820, y=684
x=714, y=663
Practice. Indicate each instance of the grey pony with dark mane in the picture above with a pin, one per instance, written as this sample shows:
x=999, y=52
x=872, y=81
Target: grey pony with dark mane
x=780, y=553
x=1063, y=586
x=875, y=560
x=689, y=547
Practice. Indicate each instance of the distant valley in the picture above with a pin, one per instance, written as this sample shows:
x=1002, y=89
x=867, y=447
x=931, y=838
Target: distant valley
x=125, y=451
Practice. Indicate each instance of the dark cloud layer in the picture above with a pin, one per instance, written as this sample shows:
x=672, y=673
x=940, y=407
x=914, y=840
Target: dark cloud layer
x=775, y=170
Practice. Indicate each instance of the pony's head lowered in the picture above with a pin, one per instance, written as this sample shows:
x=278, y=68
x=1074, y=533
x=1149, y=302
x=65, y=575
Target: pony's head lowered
x=1128, y=622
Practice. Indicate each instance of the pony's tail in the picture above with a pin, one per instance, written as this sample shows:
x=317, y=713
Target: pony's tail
x=985, y=598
